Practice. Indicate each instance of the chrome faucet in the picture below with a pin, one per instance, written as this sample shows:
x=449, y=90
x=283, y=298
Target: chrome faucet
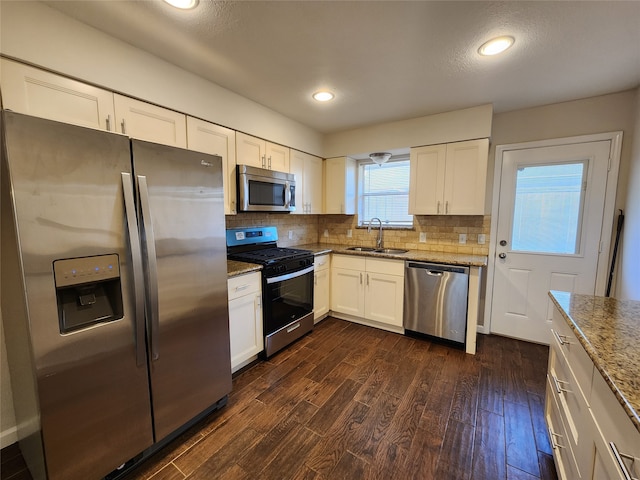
x=379, y=241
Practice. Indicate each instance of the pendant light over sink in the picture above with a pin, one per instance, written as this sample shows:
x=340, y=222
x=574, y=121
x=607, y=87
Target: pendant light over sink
x=379, y=157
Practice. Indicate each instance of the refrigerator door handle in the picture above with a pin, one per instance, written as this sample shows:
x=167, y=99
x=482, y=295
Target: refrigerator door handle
x=136, y=260
x=151, y=266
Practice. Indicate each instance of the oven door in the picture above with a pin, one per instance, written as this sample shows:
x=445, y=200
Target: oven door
x=287, y=298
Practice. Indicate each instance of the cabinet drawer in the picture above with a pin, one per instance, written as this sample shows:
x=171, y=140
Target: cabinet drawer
x=567, y=344
x=562, y=454
x=386, y=266
x=614, y=424
x=244, y=285
x=349, y=262
x=321, y=262
x=573, y=408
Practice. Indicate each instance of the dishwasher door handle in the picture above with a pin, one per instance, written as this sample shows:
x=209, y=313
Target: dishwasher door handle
x=434, y=273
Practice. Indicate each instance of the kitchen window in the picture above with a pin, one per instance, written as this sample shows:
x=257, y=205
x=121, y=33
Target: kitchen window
x=383, y=192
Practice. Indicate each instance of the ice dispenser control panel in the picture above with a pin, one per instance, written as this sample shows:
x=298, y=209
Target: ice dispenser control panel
x=88, y=291
x=73, y=271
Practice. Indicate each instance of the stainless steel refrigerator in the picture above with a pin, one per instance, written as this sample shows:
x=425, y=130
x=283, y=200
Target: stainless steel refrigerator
x=114, y=293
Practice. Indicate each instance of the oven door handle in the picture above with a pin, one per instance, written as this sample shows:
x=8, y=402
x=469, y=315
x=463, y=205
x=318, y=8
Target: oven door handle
x=289, y=276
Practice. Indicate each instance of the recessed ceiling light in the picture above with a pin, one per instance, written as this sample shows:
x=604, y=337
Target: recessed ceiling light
x=323, y=96
x=496, y=45
x=183, y=4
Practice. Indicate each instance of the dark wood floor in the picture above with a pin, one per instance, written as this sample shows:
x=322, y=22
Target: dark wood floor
x=352, y=402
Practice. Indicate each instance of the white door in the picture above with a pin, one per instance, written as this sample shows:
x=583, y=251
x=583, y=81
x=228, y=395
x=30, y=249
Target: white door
x=548, y=236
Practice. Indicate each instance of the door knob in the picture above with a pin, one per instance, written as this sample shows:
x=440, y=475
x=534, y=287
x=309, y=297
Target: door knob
x=502, y=255
x=503, y=243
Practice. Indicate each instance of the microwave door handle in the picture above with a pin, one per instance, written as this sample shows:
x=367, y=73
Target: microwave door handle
x=287, y=194
x=136, y=263
x=151, y=270
x=289, y=276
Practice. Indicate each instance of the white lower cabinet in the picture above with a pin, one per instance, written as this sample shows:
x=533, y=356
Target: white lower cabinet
x=321, y=293
x=368, y=290
x=587, y=424
x=245, y=319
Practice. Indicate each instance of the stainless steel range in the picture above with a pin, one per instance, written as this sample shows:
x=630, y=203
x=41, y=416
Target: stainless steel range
x=287, y=283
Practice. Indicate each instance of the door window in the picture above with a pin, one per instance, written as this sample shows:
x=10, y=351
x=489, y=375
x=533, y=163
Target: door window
x=549, y=201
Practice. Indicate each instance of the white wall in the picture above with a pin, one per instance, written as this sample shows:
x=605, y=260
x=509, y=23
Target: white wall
x=34, y=33
x=629, y=272
x=446, y=127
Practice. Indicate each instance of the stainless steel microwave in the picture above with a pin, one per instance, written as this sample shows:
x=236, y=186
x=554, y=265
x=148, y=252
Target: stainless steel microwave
x=262, y=190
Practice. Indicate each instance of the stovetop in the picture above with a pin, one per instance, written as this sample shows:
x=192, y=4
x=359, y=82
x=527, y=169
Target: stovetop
x=271, y=255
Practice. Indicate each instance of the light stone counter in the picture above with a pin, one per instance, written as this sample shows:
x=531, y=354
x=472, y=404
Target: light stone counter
x=235, y=268
x=609, y=330
x=415, y=255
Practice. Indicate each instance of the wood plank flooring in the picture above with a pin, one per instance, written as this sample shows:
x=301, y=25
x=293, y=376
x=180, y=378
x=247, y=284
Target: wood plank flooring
x=353, y=402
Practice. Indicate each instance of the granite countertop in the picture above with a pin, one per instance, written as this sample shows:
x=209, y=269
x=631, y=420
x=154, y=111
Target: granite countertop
x=415, y=255
x=235, y=268
x=609, y=330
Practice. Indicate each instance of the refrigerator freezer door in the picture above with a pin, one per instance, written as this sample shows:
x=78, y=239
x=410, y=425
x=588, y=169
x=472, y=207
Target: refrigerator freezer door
x=68, y=203
x=182, y=220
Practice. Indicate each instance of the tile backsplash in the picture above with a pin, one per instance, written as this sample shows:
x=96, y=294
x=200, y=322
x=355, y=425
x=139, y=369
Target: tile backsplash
x=442, y=232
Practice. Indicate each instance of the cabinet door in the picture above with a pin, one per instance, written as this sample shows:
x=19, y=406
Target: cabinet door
x=277, y=157
x=35, y=92
x=313, y=185
x=466, y=177
x=297, y=167
x=210, y=138
x=320, y=293
x=383, y=298
x=245, y=328
x=150, y=122
x=426, y=184
x=347, y=291
x=309, y=184
x=250, y=151
x=340, y=186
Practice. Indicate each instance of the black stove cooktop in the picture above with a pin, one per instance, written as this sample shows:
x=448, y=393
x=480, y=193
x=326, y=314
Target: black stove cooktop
x=269, y=255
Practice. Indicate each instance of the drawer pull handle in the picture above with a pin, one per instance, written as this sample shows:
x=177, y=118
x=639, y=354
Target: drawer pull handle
x=619, y=458
x=555, y=444
x=562, y=339
x=242, y=287
x=291, y=329
x=557, y=383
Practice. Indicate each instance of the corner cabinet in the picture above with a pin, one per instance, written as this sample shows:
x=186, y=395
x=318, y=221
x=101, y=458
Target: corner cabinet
x=308, y=172
x=321, y=293
x=210, y=138
x=340, y=185
x=368, y=290
x=449, y=179
x=591, y=435
x=257, y=152
x=43, y=94
x=245, y=319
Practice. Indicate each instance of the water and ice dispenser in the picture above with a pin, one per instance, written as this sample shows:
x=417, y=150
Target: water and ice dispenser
x=88, y=291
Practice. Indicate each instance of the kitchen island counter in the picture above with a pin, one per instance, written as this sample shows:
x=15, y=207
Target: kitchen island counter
x=609, y=331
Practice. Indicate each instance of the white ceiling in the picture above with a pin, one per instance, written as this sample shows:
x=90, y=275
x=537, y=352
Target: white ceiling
x=385, y=60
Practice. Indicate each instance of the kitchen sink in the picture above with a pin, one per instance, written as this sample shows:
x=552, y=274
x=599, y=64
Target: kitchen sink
x=391, y=251
x=361, y=249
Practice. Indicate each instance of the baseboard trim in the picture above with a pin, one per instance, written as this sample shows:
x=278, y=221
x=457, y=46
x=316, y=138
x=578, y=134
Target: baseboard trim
x=8, y=437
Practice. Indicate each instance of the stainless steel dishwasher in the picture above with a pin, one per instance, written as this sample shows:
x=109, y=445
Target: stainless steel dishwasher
x=435, y=300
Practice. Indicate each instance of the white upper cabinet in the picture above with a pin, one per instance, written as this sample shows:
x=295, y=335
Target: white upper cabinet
x=449, y=179
x=256, y=152
x=210, y=138
x=149, y=122
x=43, y=94
x=340, y=186
x=308, y=172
